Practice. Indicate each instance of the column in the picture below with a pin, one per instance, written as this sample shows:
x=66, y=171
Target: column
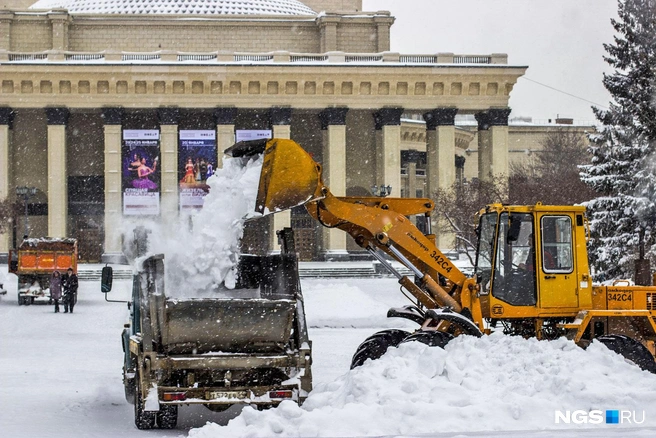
x=6, y=18
x=281, y=120
x=383, y=25
x=59, y=24
x=388, y=148
x=440, y=168
x=6, y=115
x=225, y=131
x=168, y=123
x=57, y=172
x=328, y=29
x=113, y=120
x=411, y=186
x=493, y=144
x=333, y=126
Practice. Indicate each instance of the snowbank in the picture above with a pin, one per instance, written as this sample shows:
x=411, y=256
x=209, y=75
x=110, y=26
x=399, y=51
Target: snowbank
x=491, y=383
x=200, y=259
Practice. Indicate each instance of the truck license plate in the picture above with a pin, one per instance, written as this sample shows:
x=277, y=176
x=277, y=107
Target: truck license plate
x=230, y=395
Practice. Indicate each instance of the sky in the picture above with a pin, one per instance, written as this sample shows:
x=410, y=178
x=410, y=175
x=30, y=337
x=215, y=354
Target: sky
x=561, y=42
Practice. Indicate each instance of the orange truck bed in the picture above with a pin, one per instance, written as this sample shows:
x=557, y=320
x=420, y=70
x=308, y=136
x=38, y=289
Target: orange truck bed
x=44, y=255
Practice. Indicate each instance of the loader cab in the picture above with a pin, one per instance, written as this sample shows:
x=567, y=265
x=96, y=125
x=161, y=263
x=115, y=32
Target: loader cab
x=527, y=258
x=506, y=257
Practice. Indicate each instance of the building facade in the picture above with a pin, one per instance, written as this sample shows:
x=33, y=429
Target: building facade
x=79, y=77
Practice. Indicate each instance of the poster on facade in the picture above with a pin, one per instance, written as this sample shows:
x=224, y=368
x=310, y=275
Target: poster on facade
x=196, y=162
x=140, y=172
x=252, y=134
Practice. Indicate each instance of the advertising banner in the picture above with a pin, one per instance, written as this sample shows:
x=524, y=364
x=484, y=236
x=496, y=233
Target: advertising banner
x=252, y=134
x=196, y=162
x=141, y=175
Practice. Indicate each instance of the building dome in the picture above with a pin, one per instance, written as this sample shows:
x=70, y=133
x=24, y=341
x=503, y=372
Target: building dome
x=179, y=7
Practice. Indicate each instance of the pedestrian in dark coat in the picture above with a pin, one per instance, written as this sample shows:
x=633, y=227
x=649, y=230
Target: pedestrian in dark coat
x=69, y=281
x=56, y=289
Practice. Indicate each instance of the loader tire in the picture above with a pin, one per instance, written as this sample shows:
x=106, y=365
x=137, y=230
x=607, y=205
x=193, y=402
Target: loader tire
x=376, y=345
x=631, y=350
x=167, y=417
x=142, y=419
x=431, y=338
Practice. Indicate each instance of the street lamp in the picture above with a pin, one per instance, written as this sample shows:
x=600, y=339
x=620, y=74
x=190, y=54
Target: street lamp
x=382, y=191
x=26, y=193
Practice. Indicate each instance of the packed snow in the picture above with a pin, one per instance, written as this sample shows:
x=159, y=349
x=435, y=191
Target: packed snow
x=492, y=383
x=201, y=251
x=61, y=377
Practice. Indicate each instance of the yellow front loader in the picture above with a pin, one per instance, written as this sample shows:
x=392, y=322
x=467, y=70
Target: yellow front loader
x=531, y=279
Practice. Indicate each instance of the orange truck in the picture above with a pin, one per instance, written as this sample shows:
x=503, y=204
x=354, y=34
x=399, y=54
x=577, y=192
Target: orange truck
x=34, y=262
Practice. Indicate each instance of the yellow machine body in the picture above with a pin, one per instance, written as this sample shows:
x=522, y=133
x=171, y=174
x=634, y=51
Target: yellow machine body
x=532, y=272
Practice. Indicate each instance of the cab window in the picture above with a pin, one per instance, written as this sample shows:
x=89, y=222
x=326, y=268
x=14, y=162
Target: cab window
x=514, y=276
x=557, y=250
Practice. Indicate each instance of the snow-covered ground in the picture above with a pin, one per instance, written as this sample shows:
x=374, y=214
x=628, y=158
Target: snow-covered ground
x=61, y=377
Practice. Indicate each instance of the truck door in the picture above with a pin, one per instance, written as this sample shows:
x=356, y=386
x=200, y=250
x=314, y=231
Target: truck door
x=557, y=282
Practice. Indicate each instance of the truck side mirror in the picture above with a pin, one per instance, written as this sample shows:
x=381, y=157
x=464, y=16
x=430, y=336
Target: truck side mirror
x=106, y=279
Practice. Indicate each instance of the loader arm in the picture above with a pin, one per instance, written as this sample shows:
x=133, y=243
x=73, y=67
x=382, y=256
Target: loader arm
x=290, y=177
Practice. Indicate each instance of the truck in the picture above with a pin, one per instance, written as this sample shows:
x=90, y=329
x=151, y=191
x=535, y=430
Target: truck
x=245, y=346
x=532, y=276
x=34, y=262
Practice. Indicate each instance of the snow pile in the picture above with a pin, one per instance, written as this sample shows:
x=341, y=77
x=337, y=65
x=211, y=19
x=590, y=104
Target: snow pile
x=201, y=259
x=491, y=383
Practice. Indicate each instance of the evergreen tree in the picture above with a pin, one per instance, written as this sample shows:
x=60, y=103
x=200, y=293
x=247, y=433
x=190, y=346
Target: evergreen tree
x=622, y=167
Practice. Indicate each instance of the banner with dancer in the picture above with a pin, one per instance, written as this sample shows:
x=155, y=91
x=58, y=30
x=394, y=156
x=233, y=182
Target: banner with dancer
x=141, y=174
x=196, y=163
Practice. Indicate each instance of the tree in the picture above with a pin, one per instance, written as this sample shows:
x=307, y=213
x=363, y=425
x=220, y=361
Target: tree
x=622, y=167
x=459, y=204
x=551, y=176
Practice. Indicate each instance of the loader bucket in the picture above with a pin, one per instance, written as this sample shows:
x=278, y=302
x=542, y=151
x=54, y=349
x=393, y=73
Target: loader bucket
x=289, y=177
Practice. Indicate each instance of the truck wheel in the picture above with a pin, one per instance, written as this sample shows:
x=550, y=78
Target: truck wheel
x=631, y=350
x=167, y=417
x=20, y=300
x=142, y=419
x=431, y=338
x=376, y=345
x=129, y=391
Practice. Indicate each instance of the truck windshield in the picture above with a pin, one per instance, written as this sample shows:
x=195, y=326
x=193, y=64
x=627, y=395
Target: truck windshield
x=487, y=231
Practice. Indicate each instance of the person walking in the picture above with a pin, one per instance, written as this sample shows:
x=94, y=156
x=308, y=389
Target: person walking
x=56, y=289
x=69, y=281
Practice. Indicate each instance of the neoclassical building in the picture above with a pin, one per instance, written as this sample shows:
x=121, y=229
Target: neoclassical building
x=115, y=108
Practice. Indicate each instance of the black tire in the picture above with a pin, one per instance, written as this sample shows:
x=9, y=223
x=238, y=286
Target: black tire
x=129, y=388
x=431, y=338
x=376, y=345
x=167, y=417
x=20, y=300
x=142, y=419
x=631, y=349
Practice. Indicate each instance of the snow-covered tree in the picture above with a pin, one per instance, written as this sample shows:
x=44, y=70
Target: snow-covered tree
x=623, y=163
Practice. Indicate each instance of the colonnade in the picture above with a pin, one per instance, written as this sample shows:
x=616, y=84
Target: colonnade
x=440, y=147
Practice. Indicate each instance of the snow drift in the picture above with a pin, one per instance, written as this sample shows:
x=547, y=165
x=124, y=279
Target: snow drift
x=489, y=384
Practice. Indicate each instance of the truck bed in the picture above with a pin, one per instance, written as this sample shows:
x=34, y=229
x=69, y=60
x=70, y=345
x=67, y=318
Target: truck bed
x=214, y=325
